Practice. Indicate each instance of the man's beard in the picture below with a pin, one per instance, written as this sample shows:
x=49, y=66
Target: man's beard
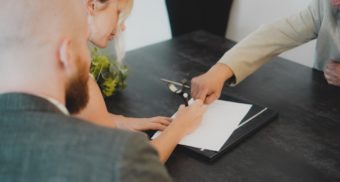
x=77, y=94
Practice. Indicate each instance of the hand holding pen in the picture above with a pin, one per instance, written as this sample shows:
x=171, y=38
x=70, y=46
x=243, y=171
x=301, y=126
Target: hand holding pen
x=173, y=87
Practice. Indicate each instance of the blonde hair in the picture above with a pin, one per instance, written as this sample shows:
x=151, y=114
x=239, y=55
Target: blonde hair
x=118, y=41
x=116, y=48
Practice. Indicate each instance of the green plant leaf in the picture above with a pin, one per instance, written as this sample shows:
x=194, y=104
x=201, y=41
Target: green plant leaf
x=109, y=74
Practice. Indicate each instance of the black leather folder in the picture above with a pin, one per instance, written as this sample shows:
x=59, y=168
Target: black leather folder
x=257, y=117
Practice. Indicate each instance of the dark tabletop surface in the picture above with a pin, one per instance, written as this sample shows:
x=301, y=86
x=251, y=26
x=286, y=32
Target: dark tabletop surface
x=302, y=144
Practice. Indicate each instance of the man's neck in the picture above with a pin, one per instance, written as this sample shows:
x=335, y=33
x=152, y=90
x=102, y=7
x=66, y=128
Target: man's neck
x=34, y=80
x=58, y=98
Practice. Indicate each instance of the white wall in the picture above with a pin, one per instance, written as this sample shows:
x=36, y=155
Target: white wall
x=247, y=15
x=147, y=24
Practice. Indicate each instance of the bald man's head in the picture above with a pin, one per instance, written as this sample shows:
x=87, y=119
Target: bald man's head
x=39, y=22
x=45, y=42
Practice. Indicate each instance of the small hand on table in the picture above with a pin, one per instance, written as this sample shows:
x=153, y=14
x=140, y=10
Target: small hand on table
x=332, y=73
x=141, y=124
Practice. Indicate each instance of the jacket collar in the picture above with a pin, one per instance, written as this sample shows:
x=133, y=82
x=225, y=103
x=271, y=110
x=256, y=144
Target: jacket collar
x=27, y=102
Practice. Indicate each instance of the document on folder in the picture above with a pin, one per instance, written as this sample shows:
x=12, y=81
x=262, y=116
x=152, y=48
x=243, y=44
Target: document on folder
x=219, y=122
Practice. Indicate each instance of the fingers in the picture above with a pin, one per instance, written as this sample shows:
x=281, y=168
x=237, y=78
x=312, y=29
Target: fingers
x=193, y=110
x=195, y=88
x=327, y=75
x=202, y=94
x=199, y=89
x=198, y=102
x=211, y=98
x=333, y=63
x=208, y=91
x=332, y=73
x=199, y=107
x=330, y=68
x=152, y=124
x=181, y=107
x=203, y=108
x=155, y=126
x=162, y=120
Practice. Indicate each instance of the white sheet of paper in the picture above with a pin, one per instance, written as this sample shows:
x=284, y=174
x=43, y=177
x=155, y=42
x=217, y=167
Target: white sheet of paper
x=219, y=122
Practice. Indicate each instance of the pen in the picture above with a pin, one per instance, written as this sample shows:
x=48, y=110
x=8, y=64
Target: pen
x=175, y=83
x=186, y=99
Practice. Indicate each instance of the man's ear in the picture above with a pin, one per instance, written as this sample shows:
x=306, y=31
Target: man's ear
x=90, y=6
x=64, y=53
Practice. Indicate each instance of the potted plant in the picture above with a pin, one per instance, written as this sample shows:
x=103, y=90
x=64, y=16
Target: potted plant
x=109, y=73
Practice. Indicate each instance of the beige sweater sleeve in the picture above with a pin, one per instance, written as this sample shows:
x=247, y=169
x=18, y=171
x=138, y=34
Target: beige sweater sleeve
x=270, y=40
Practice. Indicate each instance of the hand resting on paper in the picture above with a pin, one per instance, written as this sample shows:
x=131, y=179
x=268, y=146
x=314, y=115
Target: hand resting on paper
x=186, y=121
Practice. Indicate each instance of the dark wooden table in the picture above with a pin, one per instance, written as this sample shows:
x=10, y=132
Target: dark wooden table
x=303, y=144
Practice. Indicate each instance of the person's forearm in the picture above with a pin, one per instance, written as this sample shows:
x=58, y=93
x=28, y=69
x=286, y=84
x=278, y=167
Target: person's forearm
x=270, y=40
x=223, y=71
x=166, y=142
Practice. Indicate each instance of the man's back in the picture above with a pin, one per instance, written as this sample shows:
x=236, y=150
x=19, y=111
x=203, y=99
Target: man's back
x=39, y=143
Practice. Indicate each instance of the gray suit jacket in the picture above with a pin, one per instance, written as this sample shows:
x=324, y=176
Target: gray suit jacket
x=39, y=143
